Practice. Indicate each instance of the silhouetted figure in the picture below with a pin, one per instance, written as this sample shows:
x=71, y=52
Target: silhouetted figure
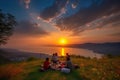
x=69, y=63
x=67, y=55
x=54, y=58
x=68, y=66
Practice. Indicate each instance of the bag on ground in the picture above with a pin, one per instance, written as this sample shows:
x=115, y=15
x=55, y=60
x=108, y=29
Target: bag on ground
x=65, y=70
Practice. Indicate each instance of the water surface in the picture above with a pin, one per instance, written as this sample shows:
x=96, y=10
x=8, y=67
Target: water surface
x=63, y=50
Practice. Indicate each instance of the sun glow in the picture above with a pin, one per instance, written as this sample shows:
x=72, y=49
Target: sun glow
x=63, y=41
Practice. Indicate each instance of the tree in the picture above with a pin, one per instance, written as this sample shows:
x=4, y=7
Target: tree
x=7, y=23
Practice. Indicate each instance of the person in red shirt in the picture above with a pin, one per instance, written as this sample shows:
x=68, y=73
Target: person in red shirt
x=46, y=64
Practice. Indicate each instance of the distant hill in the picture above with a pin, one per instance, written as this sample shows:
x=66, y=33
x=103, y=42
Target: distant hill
x=104, y=48
x=17, y=55
x=2, y=58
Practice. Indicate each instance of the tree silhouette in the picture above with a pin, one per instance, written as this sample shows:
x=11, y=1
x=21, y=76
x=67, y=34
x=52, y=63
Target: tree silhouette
x=7, y=23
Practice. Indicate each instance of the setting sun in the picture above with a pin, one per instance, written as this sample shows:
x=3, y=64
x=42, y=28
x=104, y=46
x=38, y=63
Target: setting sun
x=63, y=41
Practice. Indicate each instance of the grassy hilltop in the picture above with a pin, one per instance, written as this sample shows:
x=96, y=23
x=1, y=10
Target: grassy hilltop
x=107, y=68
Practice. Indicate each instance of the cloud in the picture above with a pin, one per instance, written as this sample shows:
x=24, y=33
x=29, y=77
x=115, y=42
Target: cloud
x=93, y=14
x=75, y=3
x=26, y=3
x=92, y=17
x=54, y=10
x=27, y=28
x=74, y=6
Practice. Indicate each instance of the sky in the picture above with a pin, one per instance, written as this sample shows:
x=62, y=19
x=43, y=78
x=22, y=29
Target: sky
x=44, y=22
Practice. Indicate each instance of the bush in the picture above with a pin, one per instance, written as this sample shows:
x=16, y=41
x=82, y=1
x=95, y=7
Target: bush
x=109, y=56
x=31, y=59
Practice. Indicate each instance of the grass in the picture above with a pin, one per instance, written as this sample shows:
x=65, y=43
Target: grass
x=90, y=69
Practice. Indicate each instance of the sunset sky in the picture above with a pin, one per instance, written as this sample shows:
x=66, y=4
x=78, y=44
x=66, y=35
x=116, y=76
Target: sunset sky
x=43, y=22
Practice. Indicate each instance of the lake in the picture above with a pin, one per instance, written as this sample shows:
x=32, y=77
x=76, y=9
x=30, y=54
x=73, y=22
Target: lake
x=63, y=50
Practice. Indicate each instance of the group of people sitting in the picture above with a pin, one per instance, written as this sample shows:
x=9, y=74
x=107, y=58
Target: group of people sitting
x=56, y=64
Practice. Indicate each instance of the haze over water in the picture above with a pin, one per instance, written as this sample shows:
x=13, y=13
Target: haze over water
x=63, y=50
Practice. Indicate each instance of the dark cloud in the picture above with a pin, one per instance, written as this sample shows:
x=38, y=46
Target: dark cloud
x=53, y=10
x=96, y=15
x=90, y=14
x=30, y=29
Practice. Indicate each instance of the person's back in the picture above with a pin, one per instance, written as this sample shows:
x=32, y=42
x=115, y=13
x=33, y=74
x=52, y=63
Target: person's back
x=67, y=55
x=69, y=64
x=46, y=64
x=55, y=58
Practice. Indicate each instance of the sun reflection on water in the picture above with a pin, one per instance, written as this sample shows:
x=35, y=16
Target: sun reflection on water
x=62, y=52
